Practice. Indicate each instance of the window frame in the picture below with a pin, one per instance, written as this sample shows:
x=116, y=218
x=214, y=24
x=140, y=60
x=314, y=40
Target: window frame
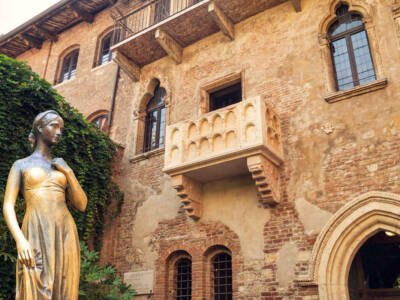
x=176, y=274
x=219, y=84
x=70, y=57
x=160, y=109
x=112, y=35
x=103, y=126
x=350, y=51
x=212, y=268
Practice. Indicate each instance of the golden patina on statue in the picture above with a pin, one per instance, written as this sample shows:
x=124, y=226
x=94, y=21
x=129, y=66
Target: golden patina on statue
x=48, y=245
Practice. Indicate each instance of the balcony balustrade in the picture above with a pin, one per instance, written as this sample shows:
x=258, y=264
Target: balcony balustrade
x=241, y=138
x=165, y=27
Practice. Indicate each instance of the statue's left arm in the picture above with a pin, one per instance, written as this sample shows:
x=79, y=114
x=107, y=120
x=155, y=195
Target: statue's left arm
x=75, y=193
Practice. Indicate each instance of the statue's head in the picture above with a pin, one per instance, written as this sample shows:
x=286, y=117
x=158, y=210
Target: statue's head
x=48, y=127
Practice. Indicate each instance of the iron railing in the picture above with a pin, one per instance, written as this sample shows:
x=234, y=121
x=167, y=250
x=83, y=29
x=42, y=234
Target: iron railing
x=148, y=15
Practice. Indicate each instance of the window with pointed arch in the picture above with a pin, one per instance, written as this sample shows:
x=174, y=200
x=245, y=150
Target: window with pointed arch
x=69, y=64
x=221, y=276
x=351, y=55
x=105, y=54
x=155, y=121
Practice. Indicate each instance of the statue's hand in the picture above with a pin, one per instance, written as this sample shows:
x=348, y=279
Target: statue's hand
x=61, y=165
x=25, y=253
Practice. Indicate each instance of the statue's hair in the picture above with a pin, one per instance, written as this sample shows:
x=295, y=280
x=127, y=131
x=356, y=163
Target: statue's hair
x=38, y=122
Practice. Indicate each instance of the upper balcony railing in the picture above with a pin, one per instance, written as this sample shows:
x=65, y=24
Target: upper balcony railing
x=148, y=15
x=166, y=27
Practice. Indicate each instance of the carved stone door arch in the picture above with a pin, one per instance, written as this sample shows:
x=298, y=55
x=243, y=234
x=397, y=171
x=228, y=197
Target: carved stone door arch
x=343, y=236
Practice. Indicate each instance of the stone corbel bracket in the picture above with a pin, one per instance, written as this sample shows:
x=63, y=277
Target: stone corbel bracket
x=189, y=191
x=233, y=141
x=266, y=177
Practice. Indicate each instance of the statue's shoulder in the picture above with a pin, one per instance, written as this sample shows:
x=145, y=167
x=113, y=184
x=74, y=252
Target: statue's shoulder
x=22, y=163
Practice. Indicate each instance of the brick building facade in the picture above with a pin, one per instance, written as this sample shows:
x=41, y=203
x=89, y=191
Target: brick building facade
x=261, y=140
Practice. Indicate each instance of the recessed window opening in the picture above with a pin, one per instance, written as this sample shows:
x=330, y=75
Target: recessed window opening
x=351, y=54
x=226, y=96
x=375, y=271
x=105, y=49
x=222, y=276
x=155, y=121
x=183, y=279
x=69, y=64
x=101, y=122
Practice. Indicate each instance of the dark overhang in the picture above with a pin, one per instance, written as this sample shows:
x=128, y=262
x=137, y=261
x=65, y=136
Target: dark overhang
x=49, y=24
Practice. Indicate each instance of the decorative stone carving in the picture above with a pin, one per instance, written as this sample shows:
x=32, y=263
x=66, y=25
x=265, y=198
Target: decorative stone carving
x=343, y=235
x=224, y=143
x=266, y=177
x=190, y=192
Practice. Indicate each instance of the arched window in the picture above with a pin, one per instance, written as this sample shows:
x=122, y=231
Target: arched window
x=69, y=64
x=183, y=279
x=155, y=121
x=105, y=54
x=101, y=122
x=350, y=50
x=221, y=276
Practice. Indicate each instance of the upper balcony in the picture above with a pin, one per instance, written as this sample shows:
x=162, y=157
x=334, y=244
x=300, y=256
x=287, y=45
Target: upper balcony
x=238, y=139
x=165, y=27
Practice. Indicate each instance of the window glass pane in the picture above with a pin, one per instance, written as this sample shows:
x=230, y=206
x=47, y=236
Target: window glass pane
x=342, y=64
x=339, y=27
x=162, y=127
x=226, y=96
x=105, y=49
x=153, y=135
x=222, y=276
x=158, y=98
x=365, y=68
x=184, y=279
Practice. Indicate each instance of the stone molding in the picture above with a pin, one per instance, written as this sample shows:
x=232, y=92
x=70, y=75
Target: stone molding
x=189, y=191
x=241, y=138
x=396, y=17
x=343, y=235
x=147, y=155
x=266, y=178
x=357, y=90
x=365, y=10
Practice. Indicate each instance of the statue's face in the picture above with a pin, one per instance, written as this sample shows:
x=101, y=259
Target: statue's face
x=51, y=129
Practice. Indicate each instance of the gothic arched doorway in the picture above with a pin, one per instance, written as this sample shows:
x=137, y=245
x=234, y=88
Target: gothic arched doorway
x=375, y=271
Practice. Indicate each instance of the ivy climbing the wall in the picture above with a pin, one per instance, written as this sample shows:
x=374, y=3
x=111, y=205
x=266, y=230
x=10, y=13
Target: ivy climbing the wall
x=89, y=152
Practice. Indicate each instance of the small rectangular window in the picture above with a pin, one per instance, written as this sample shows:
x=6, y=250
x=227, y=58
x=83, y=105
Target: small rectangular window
x=226, y=96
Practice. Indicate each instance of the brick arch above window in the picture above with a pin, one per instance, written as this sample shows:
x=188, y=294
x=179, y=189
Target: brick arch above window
x=100, y=118
x=355, y=7
x=72, y=55
x=219, y=274
x=179, y=275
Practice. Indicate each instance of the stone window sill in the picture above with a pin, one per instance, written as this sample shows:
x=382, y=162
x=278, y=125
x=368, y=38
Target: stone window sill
x=64, y=82
x=147, y=155
x=358, y=90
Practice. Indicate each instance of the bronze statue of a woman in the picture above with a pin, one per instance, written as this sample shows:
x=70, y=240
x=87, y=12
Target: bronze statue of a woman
x=48, y=245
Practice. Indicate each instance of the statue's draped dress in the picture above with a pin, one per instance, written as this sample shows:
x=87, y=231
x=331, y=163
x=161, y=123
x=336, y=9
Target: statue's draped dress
x=51, y=231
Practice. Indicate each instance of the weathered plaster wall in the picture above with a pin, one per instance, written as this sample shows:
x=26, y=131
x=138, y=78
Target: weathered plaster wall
x=234, y=202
